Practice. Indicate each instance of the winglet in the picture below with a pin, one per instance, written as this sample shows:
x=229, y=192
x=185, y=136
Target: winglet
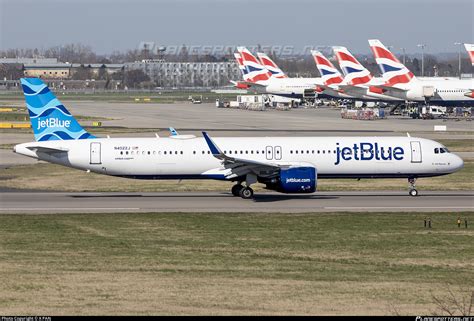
x=212, y=146
x=173, y=131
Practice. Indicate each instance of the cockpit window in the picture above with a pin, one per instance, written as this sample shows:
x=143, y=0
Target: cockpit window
x=441, y=150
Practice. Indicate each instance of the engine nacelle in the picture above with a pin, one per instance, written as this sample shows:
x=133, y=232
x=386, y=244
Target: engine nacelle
x=295, y=180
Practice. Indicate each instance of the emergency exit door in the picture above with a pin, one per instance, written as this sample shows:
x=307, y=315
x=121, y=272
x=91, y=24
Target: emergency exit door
x=415, y=152
x=95, y=153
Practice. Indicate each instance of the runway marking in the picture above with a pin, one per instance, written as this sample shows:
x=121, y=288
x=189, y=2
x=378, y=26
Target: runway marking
x=66, y=208
x=398, y=207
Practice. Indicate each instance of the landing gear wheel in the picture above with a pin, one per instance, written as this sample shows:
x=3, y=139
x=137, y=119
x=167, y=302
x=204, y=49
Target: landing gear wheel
x=412, y=190
x=246, y=193
x=236, y=189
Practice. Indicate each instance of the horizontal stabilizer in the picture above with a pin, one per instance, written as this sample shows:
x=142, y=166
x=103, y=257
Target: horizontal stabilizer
x=48, y=150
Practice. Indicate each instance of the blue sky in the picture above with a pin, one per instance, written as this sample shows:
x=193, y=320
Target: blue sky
x=109, y=25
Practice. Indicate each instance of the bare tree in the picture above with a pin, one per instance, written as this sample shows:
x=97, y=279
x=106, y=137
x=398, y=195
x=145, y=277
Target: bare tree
x=450, y=304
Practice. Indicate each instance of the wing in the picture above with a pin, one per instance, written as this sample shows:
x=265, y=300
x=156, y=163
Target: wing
x=389, y=89
x=239, y=166
x=350, y=89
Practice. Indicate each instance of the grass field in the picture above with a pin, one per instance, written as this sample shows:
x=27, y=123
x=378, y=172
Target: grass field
x=159, y=263
x=33, y=177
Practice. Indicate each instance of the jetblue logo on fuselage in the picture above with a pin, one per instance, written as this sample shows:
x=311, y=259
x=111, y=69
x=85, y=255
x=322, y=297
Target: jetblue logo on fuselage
x=53, y=122
x=298, y=180
x=368, y=151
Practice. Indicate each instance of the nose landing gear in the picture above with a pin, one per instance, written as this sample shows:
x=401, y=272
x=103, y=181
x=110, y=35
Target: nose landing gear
x=412, y=190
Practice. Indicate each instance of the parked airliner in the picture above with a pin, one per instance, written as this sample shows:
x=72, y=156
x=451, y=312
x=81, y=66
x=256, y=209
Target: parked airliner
x=271, y=78
x=284, y=164
x=400, y=82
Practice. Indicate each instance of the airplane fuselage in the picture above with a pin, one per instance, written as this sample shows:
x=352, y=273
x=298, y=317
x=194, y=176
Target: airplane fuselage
x=190, y=158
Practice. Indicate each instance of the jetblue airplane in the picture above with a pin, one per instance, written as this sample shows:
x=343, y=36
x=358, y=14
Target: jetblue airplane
x=283, y=164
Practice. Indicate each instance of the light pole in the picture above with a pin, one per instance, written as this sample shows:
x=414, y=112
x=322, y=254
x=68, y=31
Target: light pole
x=404, y=54
x=422, y=45
x=459, y=44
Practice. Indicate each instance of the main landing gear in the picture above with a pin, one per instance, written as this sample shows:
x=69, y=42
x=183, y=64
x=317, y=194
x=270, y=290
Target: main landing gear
x=412, y=190
x=243, y=191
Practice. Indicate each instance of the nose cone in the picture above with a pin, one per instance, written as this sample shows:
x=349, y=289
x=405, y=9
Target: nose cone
x=456, y=163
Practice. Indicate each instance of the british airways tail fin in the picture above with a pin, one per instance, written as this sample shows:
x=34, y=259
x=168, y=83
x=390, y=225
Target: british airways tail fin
x=329, y=73
x=271, y=66
x=256, y=73
x=393, y=71
x=354, y=72
x=50, y=120
x=470, y=50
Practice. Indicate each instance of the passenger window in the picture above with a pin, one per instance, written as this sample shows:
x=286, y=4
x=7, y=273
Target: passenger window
x=165, y=152
x=442, y=151
x=436, y=150
x=181, y=152
x=121, y=153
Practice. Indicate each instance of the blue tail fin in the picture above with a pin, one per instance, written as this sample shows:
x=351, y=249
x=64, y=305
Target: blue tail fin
x=49, y=118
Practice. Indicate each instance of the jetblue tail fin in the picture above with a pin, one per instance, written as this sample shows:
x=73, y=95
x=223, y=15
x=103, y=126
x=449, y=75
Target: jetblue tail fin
x=50, y=120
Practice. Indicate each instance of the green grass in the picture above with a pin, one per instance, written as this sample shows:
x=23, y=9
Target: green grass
x=199, y=263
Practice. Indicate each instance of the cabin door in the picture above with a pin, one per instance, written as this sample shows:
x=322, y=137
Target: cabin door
x=95, y=154
x=415, y=152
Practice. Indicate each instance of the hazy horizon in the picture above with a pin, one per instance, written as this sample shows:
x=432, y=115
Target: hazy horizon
x=108, y=25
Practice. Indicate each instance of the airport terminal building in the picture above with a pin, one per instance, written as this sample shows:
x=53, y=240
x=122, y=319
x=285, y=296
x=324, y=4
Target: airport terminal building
x=187, y=74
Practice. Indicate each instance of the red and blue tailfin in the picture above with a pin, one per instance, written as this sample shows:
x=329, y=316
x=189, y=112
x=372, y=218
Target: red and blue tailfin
x=256, y=73
x=354, y=72
x=271, y=66
x=393, y=71
x=470, y=50
x=329, y=73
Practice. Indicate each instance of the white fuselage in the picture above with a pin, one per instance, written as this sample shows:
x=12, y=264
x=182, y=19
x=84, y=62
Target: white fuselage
x=182, y=158
x=447, y=92
x=292, y=87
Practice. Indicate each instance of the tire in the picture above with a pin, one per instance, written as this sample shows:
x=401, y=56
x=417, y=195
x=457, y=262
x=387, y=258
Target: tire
x=413, y=192
x=246, y=193
x=236, y=189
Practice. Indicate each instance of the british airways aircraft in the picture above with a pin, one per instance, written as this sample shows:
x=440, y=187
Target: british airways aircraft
x=273, y=80
x=283, y=164
x=470, y=50
x=358, y=80
x=400, y=82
